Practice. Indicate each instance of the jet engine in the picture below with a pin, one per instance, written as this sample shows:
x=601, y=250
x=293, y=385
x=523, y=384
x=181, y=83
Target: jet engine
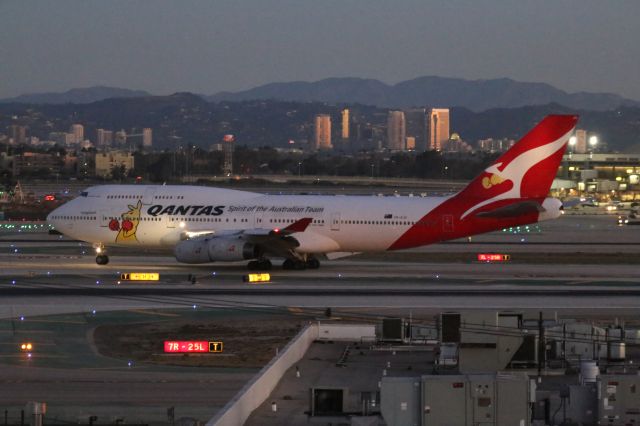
x=205, y=250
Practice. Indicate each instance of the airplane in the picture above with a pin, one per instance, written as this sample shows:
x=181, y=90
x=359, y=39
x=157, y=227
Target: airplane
x=204, y=224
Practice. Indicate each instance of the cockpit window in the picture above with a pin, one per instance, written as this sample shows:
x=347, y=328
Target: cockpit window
x=84, y=194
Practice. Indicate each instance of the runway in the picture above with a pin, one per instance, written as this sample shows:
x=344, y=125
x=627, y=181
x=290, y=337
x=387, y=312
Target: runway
x=577, y=262
x=54, y=293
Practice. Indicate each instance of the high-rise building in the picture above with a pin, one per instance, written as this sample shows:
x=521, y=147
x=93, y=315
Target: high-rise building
x=18, y=133
x=438, y=128
x=70, y=139
x=78, y=132
x=147, y=137
x=121, y=138
x=345, y=124
x=581, y=142
x=322, y=131
x=416, y=124
x=396, y=131
x=104, y=137
x=228, y=143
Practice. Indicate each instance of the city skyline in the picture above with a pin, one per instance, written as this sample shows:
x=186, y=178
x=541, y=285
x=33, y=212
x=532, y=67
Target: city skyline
x=573, y=45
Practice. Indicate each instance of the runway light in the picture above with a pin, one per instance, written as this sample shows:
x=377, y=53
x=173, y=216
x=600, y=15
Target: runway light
x=27, y=346
x=195, y=306
x=13, y=282
x=21, y=318
x=130, y=364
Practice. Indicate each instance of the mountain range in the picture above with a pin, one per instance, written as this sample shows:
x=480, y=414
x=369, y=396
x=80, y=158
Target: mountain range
x=76, y=96
x=475, y=95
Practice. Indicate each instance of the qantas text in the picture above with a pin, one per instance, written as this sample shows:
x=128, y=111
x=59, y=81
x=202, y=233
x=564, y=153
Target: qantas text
x=159, y=209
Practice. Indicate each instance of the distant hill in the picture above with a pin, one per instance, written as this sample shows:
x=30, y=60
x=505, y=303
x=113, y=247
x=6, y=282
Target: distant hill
x=185, y=119
x=76, y=96
x=476, y=95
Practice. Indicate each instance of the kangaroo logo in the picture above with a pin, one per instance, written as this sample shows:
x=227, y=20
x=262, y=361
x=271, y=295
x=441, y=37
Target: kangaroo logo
x=514, y=171
x=130, y=220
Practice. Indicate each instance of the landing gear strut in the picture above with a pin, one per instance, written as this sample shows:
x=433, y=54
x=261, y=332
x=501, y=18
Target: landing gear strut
x=259, y=265
x=101, y=255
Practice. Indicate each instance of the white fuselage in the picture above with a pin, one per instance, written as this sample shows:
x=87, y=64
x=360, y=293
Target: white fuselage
x=160, y=216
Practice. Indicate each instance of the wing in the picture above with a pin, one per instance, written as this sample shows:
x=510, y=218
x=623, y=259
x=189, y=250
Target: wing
x=276, y=241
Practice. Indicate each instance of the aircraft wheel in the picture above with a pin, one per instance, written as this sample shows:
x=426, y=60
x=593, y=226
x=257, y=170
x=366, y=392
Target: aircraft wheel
x=313, y=263
x=102, y=259
x=265, y=264
x=259, y=265
x=288, y=264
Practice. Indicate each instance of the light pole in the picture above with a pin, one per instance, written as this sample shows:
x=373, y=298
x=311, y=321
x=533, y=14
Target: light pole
x=593, y=141
x=299, y=168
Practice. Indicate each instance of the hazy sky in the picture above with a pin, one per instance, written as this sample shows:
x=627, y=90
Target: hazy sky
x=206, y=46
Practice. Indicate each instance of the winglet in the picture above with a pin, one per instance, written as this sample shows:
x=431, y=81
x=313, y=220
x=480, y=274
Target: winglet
x=298, y=226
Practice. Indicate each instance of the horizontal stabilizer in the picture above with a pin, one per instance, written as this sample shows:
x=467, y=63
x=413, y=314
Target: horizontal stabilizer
x=514, y=210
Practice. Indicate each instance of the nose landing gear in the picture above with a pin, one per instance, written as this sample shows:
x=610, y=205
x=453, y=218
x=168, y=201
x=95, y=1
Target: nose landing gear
x=101, y=255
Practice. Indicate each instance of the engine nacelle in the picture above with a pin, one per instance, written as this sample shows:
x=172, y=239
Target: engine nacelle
x=205, y=250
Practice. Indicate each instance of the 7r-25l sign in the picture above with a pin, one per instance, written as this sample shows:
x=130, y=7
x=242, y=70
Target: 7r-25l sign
x=192, y=346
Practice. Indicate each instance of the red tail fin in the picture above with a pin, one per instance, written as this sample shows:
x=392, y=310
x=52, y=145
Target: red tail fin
x=527, y=170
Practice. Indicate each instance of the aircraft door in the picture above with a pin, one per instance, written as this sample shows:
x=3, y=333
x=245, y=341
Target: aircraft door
x=258, y=220
x=147, y=198
x=335, y=221
x=447, y=223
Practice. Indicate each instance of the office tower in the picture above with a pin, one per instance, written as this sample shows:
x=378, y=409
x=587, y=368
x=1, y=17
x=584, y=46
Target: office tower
x=345, y=124
x=396, y=131
x=147, y=137
x=438, y=128
x=78, y=132
x=416, y=124
x=121, y=138
x=322, y=132
x=104, y=137
x=18, y=133
x=581, y=142
x=228, y=144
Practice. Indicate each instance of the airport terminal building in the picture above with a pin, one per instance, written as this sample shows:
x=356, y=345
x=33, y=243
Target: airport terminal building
x=606, y=174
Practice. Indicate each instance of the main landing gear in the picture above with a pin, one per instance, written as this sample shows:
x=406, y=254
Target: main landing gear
x=260, y=265
x=101, y=256
x=299, y=264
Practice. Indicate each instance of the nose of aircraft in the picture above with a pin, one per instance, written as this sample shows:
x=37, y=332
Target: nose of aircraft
x=52, y=218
